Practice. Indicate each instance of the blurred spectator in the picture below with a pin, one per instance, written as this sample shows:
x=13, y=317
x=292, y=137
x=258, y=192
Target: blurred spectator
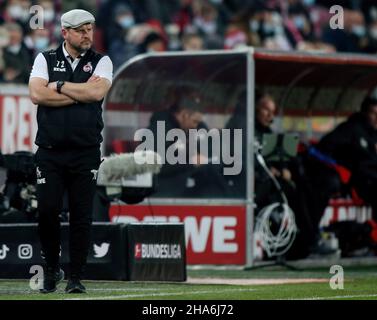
x=235, y=37
x=372, y=37
x=298, y=25
x=4, y=42
x=153, y=42
x=207, y=20
x=128, y=27
x=106, y=13
x=122, y=48
x=162, y=10
x=183, y=16
x=39, y=40
x=353, y=38
x=18, y=11
x=17, y=58
x=192, y=42
x=49, y=20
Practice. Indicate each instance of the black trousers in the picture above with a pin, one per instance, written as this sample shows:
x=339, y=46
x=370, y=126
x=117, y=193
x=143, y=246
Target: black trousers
x=71, y=171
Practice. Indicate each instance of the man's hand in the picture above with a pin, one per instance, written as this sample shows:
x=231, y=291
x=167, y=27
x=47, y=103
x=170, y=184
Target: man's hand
x=94, y=78
x=43, y=93
x=53, y=86
x=94, y=89
x=285, y=173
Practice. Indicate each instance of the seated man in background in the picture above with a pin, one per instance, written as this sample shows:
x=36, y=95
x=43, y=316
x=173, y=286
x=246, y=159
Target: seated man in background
x=306, y=241
x=266, y=192
x=353, y=144
x=351, y=148
x=197, y=177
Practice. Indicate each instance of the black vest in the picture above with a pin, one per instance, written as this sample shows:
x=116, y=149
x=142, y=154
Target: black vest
x=76, y=125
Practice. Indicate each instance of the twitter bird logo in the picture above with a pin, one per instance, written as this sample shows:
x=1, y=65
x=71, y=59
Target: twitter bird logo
x=102, y=250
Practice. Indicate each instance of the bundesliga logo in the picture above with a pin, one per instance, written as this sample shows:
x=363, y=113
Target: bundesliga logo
x=157, y=251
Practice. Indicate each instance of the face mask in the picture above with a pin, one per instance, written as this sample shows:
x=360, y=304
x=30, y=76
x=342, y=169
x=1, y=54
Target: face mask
x=48, y=15
x=268, y=28
x=254, y=25
x=279, y=30
x=15, y=11
x=15, y=49
x=127, y=22
x=25, y=15
x=359, y=30
x=41, y=43
x=299, y=22
x=217, y=1
x=4, y=42
x=373, y=33
x=308, y=3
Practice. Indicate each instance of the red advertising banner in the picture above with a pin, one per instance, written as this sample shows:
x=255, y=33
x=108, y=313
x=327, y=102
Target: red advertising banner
x=18, y=124
x=214, y=234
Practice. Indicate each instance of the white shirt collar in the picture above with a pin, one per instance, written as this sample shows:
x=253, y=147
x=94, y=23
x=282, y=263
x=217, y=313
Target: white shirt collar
x=68, y=56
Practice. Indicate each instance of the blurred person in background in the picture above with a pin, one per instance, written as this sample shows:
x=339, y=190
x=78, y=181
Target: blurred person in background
x=183, y=17
x=17, y=58
x=18, y=11
x=39, y=40
x=235, y=36
x=353, y=144
x=197, y=177
x=192, y=42
x=121, y=48
x=353, y=38
x=372, y=37
x=107, y=10
x=50, y=18
x=4, y=41
x=297, y=24
x=207, y=20
x=153, y=42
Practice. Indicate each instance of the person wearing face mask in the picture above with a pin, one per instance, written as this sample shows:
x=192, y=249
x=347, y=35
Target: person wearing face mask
x=120, y=49
x=298, y=25
x=17, y=58
x=353, y=38
x=39, y=40
x=153, y=42
x=18, y=11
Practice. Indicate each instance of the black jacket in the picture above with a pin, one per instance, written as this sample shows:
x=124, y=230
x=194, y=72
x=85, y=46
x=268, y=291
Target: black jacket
x=352, y=143
x=73, y=126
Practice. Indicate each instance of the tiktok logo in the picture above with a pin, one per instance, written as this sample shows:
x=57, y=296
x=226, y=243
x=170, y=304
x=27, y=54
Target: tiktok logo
x=3, y=251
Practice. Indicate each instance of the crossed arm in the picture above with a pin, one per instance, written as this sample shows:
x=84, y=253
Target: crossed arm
x=42, y=92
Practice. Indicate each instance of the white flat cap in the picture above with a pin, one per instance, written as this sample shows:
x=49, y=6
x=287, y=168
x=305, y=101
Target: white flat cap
x=76, y=18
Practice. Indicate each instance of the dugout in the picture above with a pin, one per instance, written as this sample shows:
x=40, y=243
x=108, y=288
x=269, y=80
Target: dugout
x=313, y=91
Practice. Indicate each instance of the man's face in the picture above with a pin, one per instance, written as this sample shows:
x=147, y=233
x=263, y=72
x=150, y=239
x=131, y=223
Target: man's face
x=372, y=116
x=265, y=111
x=193, y=43
x=190, y=120
x=81, y=38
